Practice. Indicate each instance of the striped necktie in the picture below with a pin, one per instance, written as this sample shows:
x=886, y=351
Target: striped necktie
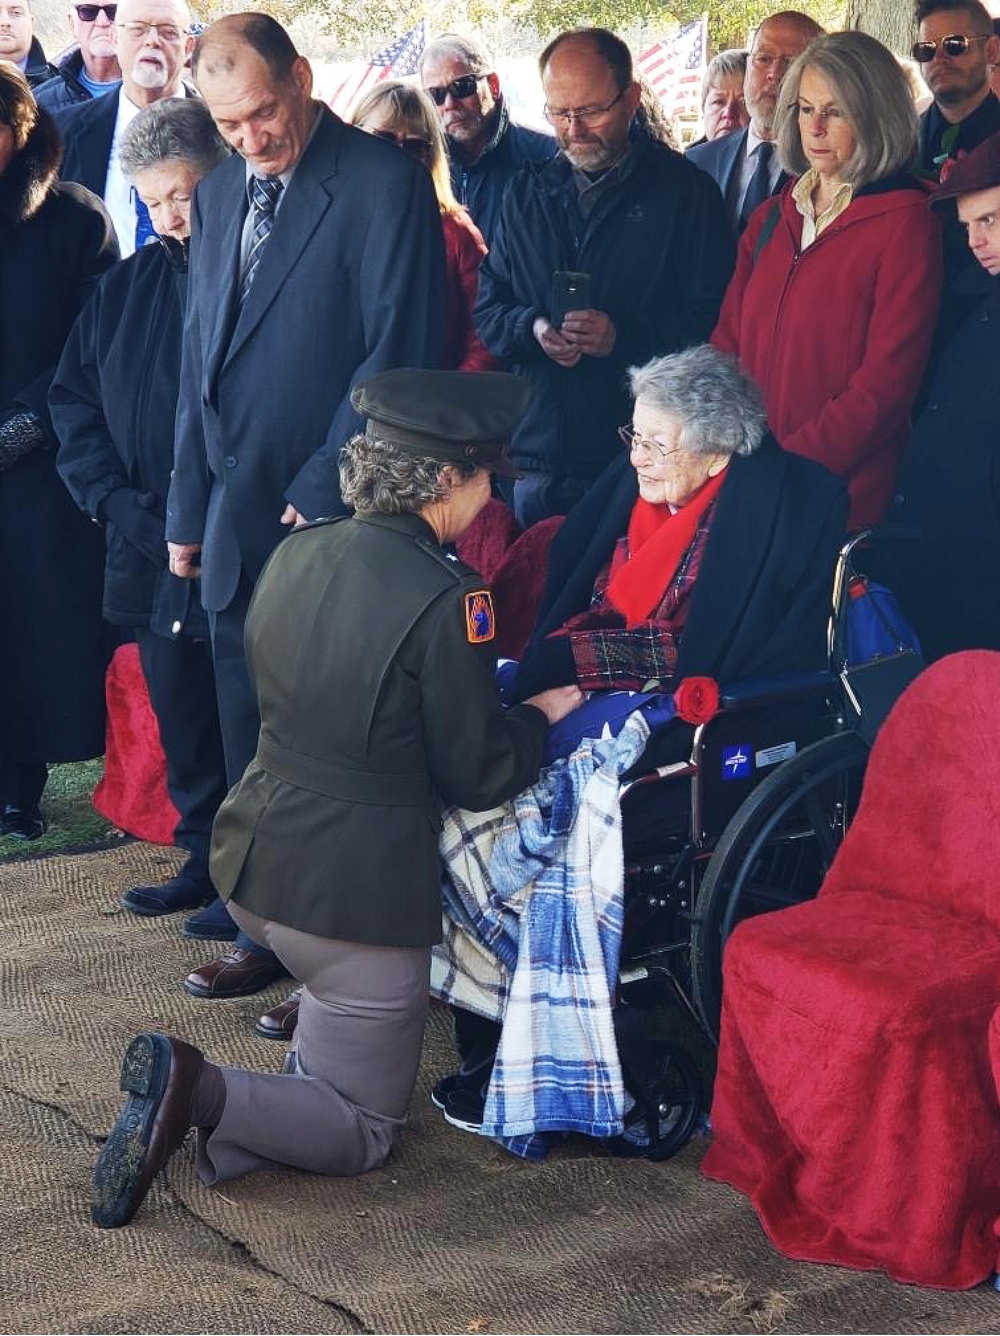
x=266, y=190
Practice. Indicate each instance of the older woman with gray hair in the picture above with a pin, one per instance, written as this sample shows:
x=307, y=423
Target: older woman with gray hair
x=113, y=402
x=833, y=303
x=704, y=550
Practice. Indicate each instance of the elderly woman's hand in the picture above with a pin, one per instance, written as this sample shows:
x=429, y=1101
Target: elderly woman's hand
x=557, y=703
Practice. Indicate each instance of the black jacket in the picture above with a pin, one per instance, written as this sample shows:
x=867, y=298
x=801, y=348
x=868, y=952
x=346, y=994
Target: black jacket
x=38, y=69
x=481, y=185
x=113, y=402
x=948, y=498
x=660, y=251
x=761, y=600
x=55, y=241
x=334, y=827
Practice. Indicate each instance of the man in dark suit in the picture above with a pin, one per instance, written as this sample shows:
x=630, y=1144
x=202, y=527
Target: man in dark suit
x=744, y=164
x=153, y=41
x=316, y=260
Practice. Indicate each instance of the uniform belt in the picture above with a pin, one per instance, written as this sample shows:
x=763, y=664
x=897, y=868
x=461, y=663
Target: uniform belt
x=340, y=781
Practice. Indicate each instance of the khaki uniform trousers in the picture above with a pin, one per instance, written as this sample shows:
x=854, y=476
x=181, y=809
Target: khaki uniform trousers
x=357, y=1049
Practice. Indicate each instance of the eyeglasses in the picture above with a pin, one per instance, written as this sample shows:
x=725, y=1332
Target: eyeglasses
x=587, y=116
x=957, y=44
x=89, y=13
x=168, y=32
x=644, y=444
x=459, y=88
x=410, y=144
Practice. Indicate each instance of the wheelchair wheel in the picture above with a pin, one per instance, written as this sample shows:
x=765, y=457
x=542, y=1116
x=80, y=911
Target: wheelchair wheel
x=663, y=1079
x=774, y=852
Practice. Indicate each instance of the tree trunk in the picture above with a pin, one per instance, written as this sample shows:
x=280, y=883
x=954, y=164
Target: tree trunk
x=891, y=21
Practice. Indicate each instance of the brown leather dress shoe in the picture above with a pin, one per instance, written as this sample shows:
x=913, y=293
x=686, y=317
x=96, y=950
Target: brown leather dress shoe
x=159, y=1075
x=238, y=972
x=280, y=1021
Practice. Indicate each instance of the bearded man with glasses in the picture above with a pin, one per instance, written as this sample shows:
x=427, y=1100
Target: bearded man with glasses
x=485, y=147
x=647, y=230
x=90, y=68
x=153, y=41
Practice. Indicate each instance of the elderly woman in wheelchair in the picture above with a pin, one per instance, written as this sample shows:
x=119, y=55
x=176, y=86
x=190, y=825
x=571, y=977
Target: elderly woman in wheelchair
x=706, y=550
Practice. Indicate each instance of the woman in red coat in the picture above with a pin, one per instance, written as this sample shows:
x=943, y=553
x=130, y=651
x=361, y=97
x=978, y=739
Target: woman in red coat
x=404, y=115
x=835, y=295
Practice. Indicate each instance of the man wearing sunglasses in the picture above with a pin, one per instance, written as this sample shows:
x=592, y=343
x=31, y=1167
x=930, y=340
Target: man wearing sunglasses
x=485, y=147
x=616, y=251
x=153, y=41
x=955, y=48
x=90, y=68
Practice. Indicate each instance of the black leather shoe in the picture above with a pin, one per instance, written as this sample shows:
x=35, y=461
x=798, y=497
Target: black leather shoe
x=280, y=1021
x=238, y=972
x=159, y=1075
x=174, y=895
x=20, y=823
x=211, y=924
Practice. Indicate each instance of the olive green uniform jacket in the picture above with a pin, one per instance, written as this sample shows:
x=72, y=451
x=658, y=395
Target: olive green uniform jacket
x=370, y=656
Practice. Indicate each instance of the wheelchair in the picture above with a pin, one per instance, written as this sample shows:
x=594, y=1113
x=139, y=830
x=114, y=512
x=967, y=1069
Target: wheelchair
x=747, y=821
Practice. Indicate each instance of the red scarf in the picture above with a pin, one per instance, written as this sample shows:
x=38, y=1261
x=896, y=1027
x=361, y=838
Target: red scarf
x=657, y=539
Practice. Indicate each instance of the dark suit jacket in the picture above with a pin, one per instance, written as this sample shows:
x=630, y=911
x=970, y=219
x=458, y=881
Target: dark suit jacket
x=352, y=281
x=721, y=158
x=88, y=129
x=333, y=829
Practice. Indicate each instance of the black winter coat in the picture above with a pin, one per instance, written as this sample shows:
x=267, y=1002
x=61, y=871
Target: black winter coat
x=113, y=402
x=659, y=248
x=481, y=185
x=948, y=498
x=55, y=240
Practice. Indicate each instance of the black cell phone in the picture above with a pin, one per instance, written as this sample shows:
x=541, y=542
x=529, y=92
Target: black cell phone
x=570, y=292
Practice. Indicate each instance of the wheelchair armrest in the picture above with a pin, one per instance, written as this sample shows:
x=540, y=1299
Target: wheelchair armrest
x=773, y=690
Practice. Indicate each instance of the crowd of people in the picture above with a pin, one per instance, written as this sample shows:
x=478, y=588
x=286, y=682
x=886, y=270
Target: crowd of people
x=251, y=320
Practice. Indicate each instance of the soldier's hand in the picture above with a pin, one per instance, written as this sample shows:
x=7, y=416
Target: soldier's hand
x=557, y=702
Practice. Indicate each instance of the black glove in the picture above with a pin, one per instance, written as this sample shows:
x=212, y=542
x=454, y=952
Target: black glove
x=21, y=434
x=547, y=663
x=132, y=514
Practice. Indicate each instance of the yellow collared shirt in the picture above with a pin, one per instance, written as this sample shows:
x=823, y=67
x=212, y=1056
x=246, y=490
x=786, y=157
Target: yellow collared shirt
x=813, y=224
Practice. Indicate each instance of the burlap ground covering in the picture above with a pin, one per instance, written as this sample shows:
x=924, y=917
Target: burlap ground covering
x=452, y=1236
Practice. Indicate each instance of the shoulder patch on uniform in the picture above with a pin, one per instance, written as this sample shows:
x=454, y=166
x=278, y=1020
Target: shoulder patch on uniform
x=480, y=623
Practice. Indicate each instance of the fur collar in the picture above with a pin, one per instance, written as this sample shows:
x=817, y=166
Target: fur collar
x=32, y=173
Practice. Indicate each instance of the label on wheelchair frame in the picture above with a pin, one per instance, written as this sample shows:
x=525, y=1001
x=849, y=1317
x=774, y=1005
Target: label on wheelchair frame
x=783, y=751
x=737, y=762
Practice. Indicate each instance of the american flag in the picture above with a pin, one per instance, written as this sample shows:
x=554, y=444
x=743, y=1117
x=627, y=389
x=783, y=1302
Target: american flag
x=673, y=67
x=398, y=59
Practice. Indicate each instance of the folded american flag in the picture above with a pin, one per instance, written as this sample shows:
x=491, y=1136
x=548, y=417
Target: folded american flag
x=532, y=934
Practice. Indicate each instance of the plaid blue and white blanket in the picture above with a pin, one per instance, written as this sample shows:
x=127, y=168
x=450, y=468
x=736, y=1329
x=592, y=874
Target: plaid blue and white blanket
x=532, y=933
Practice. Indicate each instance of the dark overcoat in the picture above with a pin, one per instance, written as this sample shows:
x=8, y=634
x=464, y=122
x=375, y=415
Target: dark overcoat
x=113, y=402
x=351, y=281
x=55, y=240
x=948, y=498
x=378, y=705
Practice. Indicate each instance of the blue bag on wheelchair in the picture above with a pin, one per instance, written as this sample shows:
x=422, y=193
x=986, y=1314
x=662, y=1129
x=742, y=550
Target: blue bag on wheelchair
x=875, y=625
x=879, y=654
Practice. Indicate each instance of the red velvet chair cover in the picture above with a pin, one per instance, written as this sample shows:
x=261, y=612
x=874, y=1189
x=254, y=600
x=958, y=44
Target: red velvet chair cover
x=132, y=793
x=855, y=1103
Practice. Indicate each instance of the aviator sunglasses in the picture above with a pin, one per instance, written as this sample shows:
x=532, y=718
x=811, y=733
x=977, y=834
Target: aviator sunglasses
x=458, y=88
x=89, y=13
x=957, y=44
